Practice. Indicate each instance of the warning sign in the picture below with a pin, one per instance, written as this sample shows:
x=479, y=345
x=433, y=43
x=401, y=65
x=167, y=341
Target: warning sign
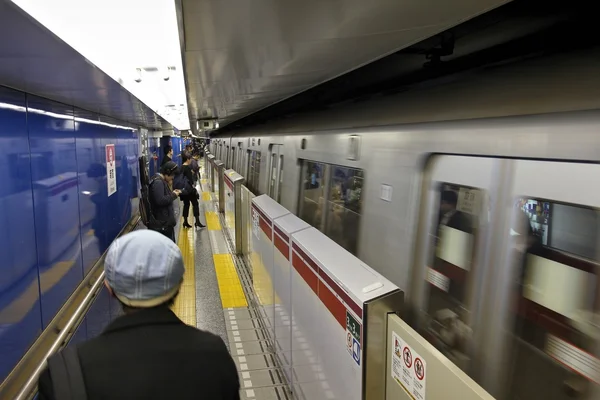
x=111, y=174
x=408, y=368
x=353, y=337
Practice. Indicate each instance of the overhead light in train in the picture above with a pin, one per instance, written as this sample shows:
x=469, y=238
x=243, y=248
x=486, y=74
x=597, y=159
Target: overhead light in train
x=85, y=192
x=217, y=125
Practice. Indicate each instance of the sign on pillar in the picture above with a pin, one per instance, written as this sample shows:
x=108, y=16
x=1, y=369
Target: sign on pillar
x=111, y=175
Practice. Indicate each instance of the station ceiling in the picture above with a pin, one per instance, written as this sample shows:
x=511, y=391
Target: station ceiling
x=34, y=60
x=241, y=56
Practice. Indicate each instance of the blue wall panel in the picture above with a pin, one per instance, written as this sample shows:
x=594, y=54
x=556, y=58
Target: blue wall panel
x=20, y=313
x=55, y=200
x=56, y=218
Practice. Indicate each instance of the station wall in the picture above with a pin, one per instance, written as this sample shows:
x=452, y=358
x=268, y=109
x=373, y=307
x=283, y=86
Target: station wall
x=56, y=217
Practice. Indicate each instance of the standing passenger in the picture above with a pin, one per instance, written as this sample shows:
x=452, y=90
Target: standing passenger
x=148, y=353
x=161, y=200
x=168, y=155
x=191, y=196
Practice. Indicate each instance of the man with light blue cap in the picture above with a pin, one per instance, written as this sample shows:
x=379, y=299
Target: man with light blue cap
x=148, y=353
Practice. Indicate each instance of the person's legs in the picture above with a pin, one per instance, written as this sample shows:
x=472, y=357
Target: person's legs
x=186, y=212
x=196, y=210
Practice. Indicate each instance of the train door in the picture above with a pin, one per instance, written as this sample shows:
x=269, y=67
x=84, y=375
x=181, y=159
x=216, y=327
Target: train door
x=548, y=297
x=452, y=256
x=276, y=172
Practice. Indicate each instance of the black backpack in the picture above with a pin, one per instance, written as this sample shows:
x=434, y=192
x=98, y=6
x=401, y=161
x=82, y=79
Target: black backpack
x=146, y=209
x=67, y=376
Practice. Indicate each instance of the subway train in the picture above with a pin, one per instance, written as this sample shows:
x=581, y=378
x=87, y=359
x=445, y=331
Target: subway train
x=478, y=197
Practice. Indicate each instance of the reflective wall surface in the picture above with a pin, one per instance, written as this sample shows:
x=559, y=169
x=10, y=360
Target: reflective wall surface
x=56, y=215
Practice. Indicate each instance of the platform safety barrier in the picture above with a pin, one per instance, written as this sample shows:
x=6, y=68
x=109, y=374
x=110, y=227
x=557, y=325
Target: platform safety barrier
x=332, y=321
x=325, y=309
x=233, y=207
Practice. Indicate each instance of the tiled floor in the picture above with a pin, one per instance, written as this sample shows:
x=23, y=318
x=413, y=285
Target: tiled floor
x=217, y=296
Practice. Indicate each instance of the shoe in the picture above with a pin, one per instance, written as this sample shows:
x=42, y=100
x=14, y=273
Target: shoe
x=199, y=225
x=186, y=225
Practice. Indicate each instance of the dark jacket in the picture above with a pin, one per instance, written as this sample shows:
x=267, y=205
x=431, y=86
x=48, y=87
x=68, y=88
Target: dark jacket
x=165, y=160
x=161, y=201
x=151, y=354
x=186, y=170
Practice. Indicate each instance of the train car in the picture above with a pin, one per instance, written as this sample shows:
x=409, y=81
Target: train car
x=477, y=197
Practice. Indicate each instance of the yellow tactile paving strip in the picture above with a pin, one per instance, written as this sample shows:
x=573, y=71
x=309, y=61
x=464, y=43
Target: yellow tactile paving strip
x=230, y=287
x=212, y=221
x=185, y=304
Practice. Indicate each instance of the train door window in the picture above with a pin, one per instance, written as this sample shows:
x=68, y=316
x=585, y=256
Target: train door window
x=254, y=171
x=554, y=251
x=280, y=186
x=240, y=163
x=314, y=183
x=273, y=175
x=344, y=207
x=275, y=172
x=233, y=153
x=247, y=168
x=457, y=215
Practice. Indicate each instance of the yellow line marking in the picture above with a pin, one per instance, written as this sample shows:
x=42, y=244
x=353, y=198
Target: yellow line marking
x=185, y=304
x=206, y=196
x=212, y=221
x=230, y=287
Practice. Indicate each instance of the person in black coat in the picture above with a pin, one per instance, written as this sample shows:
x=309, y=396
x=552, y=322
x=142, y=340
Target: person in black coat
x=168, y=155
x=192, y=196
x=148, y=353
x=162, y=197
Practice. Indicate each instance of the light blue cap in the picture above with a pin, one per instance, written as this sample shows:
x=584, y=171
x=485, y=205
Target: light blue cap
x=144, y=268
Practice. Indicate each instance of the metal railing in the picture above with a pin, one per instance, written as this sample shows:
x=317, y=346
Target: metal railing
x=22, y=382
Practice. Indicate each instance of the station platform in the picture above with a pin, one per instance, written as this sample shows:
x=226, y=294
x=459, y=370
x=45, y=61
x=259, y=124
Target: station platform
x=217, y=296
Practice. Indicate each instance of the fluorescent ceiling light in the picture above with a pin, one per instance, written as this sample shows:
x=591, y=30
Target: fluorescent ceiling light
x=122, y=37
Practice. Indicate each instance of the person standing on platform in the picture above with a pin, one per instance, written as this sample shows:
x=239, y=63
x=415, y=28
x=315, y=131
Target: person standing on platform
x=161, y=200
x=168, y=155
x=148, y=353
x=191, y=195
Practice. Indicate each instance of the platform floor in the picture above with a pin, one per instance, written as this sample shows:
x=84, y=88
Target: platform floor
x=217, y=296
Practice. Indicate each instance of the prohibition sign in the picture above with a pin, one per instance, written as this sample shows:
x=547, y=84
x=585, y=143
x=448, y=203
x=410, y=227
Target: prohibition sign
x=407, y=357
x=419, y=369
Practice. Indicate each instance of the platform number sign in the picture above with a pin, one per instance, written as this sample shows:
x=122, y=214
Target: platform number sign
x=353, y=329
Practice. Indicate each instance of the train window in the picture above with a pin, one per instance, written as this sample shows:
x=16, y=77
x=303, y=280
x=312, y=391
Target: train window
x=451, y=255
x=273, y=175
x=275, y=172
x=450, y=265
x=280, y=179
x=554, y=249
x=232, y=165
x=253, y=171
x=331, y=201
x=344, y=206
x=312, y=193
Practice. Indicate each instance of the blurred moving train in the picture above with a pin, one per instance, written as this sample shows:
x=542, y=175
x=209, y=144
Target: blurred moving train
x=479, y=198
